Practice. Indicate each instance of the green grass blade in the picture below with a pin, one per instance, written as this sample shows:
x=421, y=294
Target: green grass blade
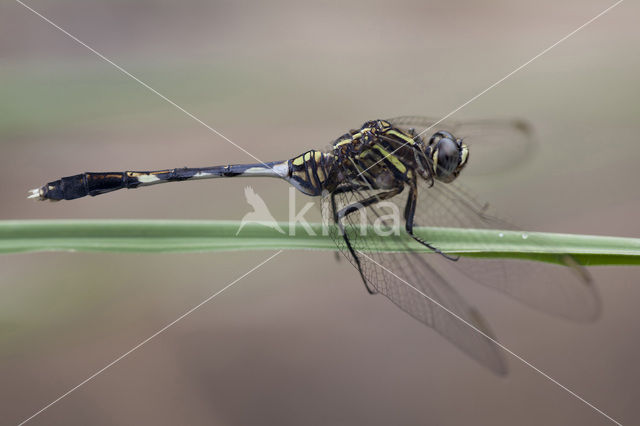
x=203, y=236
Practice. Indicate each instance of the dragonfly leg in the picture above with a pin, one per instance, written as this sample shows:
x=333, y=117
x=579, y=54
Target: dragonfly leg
x=348, y=243
x=340, y=190
x=352, y=208
x=409, y=213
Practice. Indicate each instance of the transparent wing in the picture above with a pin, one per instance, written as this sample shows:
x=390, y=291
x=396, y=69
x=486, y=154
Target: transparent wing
x=566, y=291
x=563, y=291
x=394, y=275
x=497, y=144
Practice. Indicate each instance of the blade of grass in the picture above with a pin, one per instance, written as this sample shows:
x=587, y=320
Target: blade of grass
x=155, y=236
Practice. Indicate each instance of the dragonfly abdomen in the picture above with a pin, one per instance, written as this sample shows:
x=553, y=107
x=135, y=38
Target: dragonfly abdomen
x=96, y=183
x=310, y=171
x=80, y=185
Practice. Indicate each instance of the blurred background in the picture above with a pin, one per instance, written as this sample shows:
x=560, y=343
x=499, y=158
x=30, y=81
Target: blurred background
x=300, y=341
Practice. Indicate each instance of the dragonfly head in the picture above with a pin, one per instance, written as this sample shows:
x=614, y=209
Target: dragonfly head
x=447, y=155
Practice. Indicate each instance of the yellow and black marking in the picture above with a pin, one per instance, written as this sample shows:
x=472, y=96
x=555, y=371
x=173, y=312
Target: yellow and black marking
x=376, y=156
x=309, y=172
x=376, y=147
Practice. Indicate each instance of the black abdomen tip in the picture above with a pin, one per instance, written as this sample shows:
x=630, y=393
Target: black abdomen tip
x=67, y=188
x=78, y=186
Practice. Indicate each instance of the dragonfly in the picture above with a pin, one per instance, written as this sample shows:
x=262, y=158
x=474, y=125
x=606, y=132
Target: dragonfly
x=409, y=165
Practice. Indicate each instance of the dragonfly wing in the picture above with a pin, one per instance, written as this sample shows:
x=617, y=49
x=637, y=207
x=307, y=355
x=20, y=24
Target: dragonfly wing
x=409, y=281
x=564, y=290
x=497, y=145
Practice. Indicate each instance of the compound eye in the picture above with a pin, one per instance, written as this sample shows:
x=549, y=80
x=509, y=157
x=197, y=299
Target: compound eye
x=440, y=135
x=446, y=159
